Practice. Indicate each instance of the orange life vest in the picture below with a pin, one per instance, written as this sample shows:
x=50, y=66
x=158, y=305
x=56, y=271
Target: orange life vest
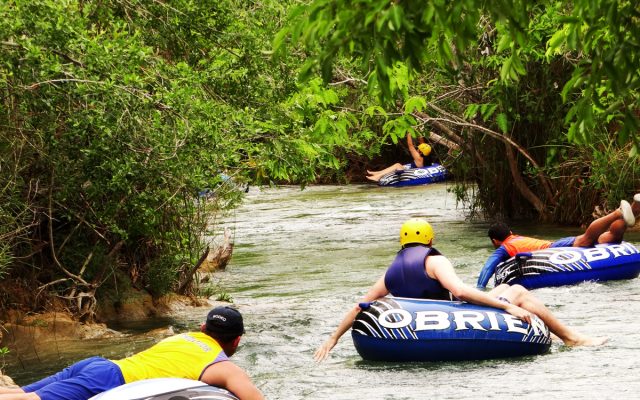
x=515, y=244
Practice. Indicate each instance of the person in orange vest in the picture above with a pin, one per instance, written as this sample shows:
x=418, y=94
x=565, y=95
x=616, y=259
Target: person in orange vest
x=607, y=229
x=421, y=158
x=202, y=356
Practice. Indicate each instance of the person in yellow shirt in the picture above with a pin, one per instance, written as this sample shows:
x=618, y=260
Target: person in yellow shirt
x=202, y=356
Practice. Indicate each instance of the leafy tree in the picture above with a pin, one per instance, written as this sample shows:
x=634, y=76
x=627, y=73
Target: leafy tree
x=495, y=76
x=117, y=114
x=381, y=33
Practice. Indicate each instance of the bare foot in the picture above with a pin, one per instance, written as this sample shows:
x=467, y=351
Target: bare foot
x=587, y=341
x=373, y=178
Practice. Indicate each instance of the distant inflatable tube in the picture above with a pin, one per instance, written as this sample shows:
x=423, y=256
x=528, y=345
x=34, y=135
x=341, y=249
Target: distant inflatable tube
x=561, y=266
x=414, y=176
x=403, y=329
x=166, y=389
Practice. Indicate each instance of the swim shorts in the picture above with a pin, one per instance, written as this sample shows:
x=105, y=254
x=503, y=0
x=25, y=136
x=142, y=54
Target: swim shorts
x=79, y=381
x=564, y=242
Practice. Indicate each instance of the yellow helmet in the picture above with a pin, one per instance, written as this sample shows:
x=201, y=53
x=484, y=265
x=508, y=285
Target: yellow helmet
x=425, y=149
x=416, y=230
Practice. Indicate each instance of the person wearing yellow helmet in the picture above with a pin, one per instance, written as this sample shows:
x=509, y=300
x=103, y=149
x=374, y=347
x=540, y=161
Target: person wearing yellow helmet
x=425, y=149
x=421, y=271
x=421, y=158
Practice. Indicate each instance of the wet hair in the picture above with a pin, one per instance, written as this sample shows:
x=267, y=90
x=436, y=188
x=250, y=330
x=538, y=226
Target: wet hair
x=499, y=231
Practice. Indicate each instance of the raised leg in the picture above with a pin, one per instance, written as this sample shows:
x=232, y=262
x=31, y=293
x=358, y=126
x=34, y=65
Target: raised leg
x=615, y=233
x=376, y=175
x=394, y=167
x=605, y=224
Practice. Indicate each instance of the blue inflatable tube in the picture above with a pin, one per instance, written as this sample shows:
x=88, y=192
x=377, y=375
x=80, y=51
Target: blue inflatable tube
x=166, y=389
x=414, y=176
x=561, y=266
x=402, y=329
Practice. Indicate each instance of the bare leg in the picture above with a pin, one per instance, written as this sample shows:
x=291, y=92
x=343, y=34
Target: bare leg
x=597, y=228
x=19, y=396
x=498, y=290
x=5, y=390
x=615, y=233
x=379, y=174
x=521, y=297
x=374, y=178
x=394, y=167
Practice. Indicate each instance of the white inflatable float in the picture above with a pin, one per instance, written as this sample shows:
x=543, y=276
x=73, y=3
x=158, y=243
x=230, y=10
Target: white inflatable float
x=558, y=266
x=403, y=329
x=166, y=389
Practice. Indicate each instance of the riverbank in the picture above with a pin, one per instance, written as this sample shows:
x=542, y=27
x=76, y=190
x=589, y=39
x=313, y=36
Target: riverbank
x=34, y=332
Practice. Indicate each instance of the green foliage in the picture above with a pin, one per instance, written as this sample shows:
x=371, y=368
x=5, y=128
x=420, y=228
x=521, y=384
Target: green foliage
x=4, y=351
x=381, y=33
x=224, y=297
x=598, y=37
x=117, y=114
x=494, y=74
x=605, y=82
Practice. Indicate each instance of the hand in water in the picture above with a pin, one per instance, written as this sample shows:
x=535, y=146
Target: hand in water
x=323, y=351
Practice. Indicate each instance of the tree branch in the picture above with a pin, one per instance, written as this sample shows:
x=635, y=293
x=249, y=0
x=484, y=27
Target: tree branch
x=189, y=277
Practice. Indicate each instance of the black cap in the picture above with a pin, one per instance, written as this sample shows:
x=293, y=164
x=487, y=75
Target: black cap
x=225, y=320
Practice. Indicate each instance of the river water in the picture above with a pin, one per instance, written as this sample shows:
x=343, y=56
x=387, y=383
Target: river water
x=304, y=257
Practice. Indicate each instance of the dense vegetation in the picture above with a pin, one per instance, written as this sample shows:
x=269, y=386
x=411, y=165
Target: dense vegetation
x=117, y=114
x=540, y=96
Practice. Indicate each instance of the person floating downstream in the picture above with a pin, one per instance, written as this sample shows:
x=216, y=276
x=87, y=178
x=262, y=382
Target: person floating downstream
x=607, y=229
x=421, y=158
x=200, y=356
x=420, y=271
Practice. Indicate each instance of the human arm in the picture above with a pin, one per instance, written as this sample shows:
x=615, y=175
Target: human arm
x=440, y=268
x=377, y=291
x=415, y=154
x=227, y=375
x=499, y=255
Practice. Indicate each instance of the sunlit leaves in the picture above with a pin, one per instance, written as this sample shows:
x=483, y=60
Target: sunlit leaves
x=414, y=104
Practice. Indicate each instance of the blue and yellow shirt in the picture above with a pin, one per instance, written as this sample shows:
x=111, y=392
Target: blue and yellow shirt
x=180, y=356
